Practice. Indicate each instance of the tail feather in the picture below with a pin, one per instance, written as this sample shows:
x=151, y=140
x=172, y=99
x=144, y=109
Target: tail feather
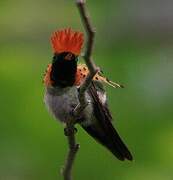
x=102, y=129
x=111, y=141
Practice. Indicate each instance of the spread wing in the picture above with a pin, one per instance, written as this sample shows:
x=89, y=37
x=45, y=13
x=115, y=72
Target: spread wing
x=102, y=129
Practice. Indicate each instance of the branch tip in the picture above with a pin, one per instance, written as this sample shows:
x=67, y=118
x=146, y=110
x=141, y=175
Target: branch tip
x=80, y=1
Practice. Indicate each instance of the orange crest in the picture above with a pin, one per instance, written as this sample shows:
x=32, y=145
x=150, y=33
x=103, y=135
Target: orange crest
x=67, y=41
x=82, y=72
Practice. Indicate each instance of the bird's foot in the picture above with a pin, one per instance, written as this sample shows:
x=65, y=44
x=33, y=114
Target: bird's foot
x=69, y=131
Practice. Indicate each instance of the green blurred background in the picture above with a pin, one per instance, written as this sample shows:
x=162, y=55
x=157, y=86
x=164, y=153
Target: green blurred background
x=134, y=44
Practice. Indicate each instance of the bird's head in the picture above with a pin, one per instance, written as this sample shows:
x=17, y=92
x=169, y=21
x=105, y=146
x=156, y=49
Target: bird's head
x=67, y=45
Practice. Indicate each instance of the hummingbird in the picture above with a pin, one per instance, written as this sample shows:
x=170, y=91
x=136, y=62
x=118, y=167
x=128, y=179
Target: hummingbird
x=62, y=81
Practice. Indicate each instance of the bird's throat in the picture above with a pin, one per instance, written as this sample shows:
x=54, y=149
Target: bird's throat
x=63, y=71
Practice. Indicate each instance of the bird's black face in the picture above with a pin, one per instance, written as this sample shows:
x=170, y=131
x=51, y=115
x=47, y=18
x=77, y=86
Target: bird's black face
x=64, y=67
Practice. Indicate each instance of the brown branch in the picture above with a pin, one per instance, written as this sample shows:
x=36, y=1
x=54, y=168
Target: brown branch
x=70, y=129
x=87, y=56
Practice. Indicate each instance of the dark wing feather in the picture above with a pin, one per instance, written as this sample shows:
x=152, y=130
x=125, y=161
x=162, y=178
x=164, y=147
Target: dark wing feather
x=103, y=131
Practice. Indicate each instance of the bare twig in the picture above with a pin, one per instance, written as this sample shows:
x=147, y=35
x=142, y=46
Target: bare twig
x=87, y=56
x=70, y=129
x=73, y=148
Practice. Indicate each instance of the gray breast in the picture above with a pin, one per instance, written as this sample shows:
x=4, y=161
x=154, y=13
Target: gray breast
x=60, y=102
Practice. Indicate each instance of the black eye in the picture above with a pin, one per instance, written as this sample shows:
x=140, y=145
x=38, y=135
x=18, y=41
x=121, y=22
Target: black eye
x=76, y=59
